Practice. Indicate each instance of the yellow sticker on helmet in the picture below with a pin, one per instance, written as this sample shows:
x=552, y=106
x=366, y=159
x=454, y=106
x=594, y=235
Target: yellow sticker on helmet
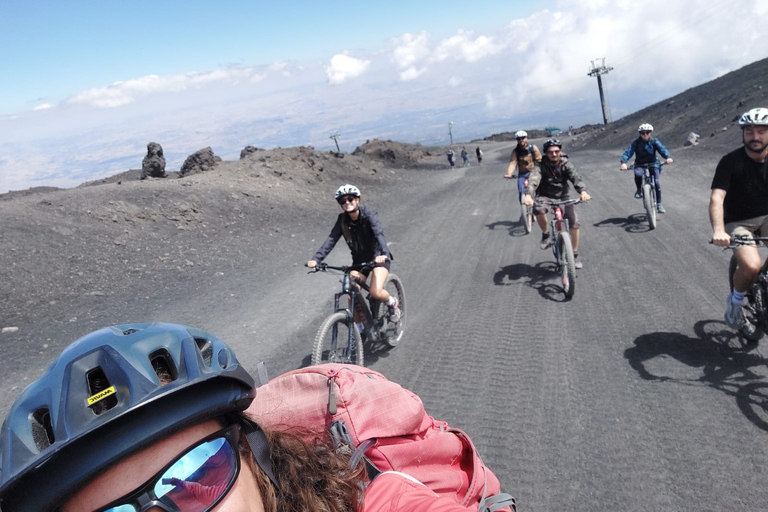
x=101, y=395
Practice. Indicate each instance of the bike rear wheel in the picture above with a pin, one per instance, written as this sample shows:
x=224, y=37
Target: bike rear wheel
x=650, y=205
x=392, y=332
x=332, y=341
x=567, y=264
x=752, y=330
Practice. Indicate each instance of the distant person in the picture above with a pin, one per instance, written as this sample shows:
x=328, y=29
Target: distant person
x=362, y=231
x=479, y=153
x=465, y=156
x=645, y=147
x=738, y=206
x=524, y=158
x=451, y=158
x=550, y=181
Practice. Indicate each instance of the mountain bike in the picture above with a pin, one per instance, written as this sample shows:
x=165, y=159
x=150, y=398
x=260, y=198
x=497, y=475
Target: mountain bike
x=338, y=339
x=562, y=246
x=649, y=191
x=756, y=310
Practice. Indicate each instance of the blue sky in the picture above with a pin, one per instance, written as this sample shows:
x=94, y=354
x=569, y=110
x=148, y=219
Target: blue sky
x=86, y=85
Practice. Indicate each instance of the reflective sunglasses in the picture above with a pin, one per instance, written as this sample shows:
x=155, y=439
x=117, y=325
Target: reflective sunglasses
x=196, y=481
x=346, y=199
x=644, y=133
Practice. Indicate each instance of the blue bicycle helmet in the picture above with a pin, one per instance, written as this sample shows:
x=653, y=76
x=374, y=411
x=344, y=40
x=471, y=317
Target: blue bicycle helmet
x=108, y=395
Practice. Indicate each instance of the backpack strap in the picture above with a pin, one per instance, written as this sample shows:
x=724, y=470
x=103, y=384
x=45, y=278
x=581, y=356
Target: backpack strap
x=496, y=502
x=261, y=371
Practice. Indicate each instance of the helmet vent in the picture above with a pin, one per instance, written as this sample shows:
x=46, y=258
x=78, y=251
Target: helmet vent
x=98, y=382
x=42, y=430
x=162, y=362
x=129, y=331
x=206, y=350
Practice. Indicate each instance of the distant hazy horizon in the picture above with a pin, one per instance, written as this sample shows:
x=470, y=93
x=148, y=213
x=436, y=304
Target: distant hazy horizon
x=87, y=87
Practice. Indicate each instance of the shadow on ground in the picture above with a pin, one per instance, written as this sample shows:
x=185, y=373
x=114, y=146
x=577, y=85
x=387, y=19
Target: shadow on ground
x=726, y=361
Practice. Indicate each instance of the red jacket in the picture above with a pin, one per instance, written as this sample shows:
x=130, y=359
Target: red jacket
x=397, y=492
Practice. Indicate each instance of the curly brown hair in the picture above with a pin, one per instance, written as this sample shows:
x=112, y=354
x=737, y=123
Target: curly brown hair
x=310, y=476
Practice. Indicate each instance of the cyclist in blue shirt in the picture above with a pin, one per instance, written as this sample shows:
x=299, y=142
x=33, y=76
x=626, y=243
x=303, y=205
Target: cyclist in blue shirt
x=645, y=148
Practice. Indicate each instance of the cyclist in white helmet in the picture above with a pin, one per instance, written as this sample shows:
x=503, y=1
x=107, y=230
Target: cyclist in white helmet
x=738, y=206
x=645, y=147
x=523, y=160
x=364, y=235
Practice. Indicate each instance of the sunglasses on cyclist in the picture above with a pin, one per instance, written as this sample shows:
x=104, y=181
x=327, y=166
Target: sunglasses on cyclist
x=346, y=199
x=196, y=481
x=644, y=133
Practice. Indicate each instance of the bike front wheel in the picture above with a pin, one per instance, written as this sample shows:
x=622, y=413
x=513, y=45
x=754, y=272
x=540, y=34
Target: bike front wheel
x=650, y=205
x=333, y=343
x=567, y=264
x=392, y=332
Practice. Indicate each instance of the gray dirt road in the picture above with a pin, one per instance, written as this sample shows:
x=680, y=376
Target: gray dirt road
x=632, y=396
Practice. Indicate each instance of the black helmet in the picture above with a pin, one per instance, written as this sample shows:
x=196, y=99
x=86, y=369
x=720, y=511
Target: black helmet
x=552, y=142
x=109, y=394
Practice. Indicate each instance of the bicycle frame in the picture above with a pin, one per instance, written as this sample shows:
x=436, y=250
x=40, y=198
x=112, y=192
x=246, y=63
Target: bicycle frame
x=352, y=289
x=558, y=224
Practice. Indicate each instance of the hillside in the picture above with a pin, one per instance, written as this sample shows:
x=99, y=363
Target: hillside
x=710, y=110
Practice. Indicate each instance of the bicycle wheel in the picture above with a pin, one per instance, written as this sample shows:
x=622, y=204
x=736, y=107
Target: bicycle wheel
x=650, y=207
x=332, y=341
x=752, y=331
x=392, y=332
x=567, y=264
x=526, y=217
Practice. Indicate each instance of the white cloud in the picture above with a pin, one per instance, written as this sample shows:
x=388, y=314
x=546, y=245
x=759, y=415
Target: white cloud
x=464, y=46
x=128, y=91
x=44, y=106
x=411, y=73
x=343, y=68
x=411, y=49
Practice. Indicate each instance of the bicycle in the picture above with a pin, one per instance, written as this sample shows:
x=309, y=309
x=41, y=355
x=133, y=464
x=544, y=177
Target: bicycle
x=648, y=190
x=562, y=246
x=338, y=339
x=756, y=309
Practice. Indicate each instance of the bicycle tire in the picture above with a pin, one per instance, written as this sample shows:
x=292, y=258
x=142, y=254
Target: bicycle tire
x=650, y=207
x=323, y=351
x=751, y=331
x=393, y=334
x=526, y=217
x=567, y=264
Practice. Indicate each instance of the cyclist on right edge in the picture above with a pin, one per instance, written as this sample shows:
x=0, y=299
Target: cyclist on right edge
x=550, y=181
x=646, y=147
x=738, y=206
x=523, y=159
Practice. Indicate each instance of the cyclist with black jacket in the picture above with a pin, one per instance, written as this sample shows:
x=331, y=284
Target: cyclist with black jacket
x=362, y=231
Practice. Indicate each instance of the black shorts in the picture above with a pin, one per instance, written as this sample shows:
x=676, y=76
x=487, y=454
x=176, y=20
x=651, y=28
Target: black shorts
x=366, y=271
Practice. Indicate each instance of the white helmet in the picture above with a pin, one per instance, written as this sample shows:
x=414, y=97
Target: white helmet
x=645, y=127
x=521, y=134
x=756, y=116
x=347, y=190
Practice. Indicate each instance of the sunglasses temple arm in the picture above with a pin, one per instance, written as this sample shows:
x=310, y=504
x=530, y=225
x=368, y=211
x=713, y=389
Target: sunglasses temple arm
x=257, y=440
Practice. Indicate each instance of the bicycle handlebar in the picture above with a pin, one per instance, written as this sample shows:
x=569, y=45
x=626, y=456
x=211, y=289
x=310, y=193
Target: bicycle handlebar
x=651, y=165
x=737, y=241
x=557, y=202
x=322, y=267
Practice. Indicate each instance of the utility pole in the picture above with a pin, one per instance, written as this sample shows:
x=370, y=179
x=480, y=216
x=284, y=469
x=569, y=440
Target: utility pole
x=599, y=70
x=335, y=138
x=450, y=132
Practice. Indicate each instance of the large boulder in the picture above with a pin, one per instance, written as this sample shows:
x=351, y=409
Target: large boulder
x=199, y=161
x=249, y=150
x=693, y=139
x=153, y=165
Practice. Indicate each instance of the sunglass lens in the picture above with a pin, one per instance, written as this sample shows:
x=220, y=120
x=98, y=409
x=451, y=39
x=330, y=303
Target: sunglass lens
x=346, y=199
x=200, y=478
